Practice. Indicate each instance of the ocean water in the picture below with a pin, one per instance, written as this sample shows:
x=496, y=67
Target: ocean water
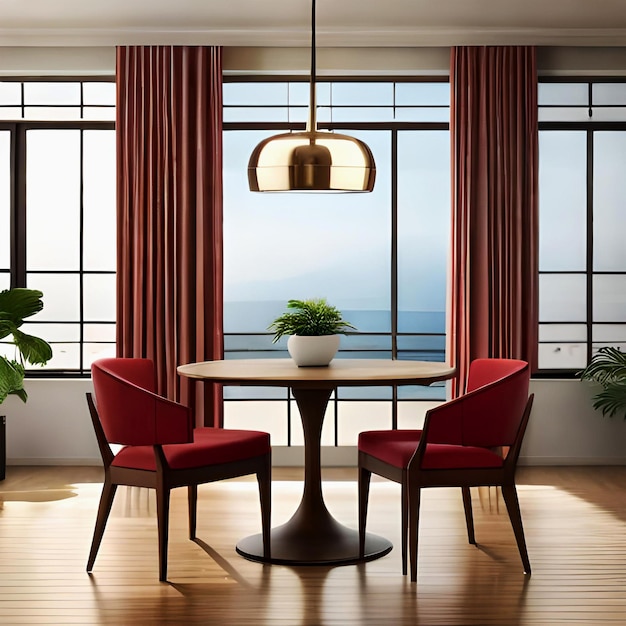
x=246, y=334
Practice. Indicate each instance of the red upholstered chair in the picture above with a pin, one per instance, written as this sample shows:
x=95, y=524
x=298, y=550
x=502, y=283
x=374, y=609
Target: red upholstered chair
x=471, y=441
x=162, y=450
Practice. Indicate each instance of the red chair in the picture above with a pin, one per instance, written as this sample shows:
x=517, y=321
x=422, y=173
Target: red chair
x=162, y=450
x=471, y=441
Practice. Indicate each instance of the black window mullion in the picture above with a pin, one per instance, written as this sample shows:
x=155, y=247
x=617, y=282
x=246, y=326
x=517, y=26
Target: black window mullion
x=589, y=260
x=18, y=213
x=394, y=268
x=81, y=248
x=394, y=243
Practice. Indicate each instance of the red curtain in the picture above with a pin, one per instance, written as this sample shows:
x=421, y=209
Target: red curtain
x=493, y=275
x=169, y=210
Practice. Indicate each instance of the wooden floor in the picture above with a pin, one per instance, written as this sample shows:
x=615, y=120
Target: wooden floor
x=575, y=522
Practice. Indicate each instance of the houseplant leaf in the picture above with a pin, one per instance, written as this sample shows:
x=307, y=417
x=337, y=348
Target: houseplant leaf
x=34, y=350
x=19, y=303
x=309, y=318
x=606, y=365
x=607, y=368
x=16, y=305
x=611, y=400
x=11, y=379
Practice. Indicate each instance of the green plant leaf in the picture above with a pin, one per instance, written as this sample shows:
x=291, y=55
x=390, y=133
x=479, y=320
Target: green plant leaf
x=309, y=318
x=34, y=350
x=7, y=327
x=11, y=379
x=607, y=365
x=611, y=400
x=19, y=303
x=607, y=368
x=16, y=305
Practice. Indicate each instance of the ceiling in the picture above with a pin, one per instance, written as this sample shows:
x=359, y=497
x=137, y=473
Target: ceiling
x=395, y=23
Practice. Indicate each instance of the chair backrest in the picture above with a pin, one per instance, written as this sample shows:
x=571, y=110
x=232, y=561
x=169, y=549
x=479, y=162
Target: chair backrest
x=490, y=413
x=485, y=371
x=130, y=413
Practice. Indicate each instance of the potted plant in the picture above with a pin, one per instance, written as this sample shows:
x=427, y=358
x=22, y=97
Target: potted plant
x=313, y=327
x=608, y=369
x=16, y=305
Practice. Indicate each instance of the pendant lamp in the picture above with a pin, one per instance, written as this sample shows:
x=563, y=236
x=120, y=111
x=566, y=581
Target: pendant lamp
x=316, y=161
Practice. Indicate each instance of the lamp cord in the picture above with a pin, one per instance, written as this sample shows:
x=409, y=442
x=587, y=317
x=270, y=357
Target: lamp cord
x=312, y=122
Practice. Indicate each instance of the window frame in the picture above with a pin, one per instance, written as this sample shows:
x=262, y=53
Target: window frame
x=589, y=127
x=18, y=272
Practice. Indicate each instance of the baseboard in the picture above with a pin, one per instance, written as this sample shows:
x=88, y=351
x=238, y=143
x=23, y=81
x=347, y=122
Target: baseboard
x=570, y=460
x=48, y=461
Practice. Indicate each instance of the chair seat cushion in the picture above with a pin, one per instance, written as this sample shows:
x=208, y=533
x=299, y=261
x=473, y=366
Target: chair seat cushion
x=211, y=446
x=396, y=447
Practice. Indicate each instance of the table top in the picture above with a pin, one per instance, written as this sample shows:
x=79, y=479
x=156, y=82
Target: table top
x=344, y=372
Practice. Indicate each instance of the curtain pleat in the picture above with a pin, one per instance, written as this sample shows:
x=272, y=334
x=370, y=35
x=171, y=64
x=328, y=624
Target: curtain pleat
x=169, y=205
x=493, y=296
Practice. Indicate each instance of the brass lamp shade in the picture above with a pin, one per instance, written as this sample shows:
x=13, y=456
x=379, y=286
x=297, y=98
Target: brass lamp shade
x=311, y=161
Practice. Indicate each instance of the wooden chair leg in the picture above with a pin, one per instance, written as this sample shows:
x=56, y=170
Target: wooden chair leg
x=509, y=492
x=264, y=478
x=469, y=517
x=192, y=499
x=104, y=508
x=404, y=523
x=364, y=490
x=414, y=520
x=163, y=515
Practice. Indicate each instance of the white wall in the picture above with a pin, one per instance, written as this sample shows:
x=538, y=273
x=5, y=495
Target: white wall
x=57, y=61
x=90, y=61
x=565, y=430
x=54, y=428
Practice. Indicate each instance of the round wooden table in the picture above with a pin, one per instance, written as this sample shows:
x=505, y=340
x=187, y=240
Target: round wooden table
x=313, y=536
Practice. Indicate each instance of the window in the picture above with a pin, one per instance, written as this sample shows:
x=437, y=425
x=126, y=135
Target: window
x=381, y=257
x=57, y=212
x=582, y=257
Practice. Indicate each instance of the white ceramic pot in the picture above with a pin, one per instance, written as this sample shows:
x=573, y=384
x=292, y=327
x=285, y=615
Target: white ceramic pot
x=315, y=351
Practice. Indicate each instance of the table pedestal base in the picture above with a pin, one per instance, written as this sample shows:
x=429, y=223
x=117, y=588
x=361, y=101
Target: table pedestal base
x=334, y=544
x=313, y=536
